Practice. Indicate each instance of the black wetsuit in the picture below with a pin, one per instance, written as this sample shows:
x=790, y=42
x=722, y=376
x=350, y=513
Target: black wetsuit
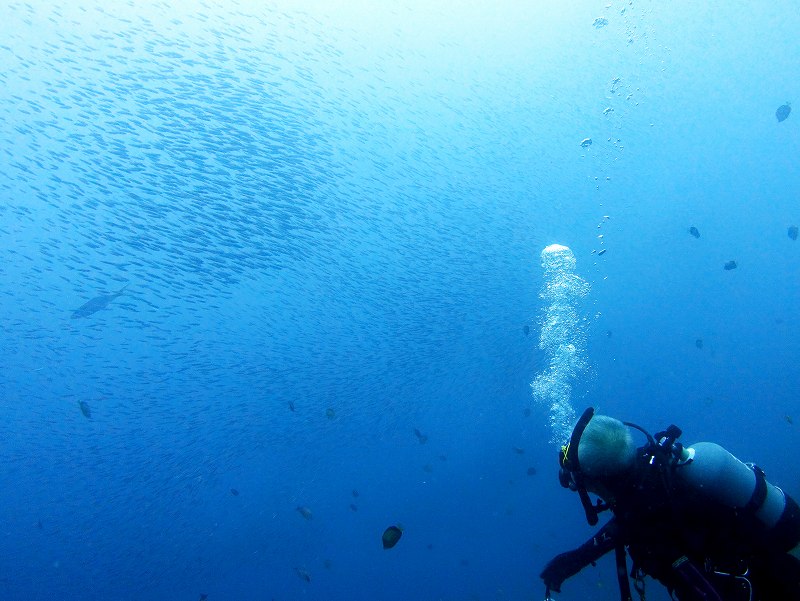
x=717, y=548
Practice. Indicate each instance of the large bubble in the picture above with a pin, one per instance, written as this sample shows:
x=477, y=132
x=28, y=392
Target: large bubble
x=563, y=339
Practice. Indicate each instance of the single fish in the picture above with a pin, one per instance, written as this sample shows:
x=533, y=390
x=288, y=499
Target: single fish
x=699, y=343
x=390, y=536
x=420, y=436
x=96, y=304
x=85, y=409
x=234, y=492
x=730, y=265
x=783, y=112
x=303, y=574
x=792, y=232
x=305, y=512
x=694, y=232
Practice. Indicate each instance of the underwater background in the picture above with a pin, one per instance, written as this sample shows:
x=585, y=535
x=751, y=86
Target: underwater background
x=271, y=282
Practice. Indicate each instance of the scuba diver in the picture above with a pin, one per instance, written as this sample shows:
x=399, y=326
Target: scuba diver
x=698, y=520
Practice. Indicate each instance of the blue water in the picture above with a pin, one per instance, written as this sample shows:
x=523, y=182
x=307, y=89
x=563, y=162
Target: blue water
x=329, y=218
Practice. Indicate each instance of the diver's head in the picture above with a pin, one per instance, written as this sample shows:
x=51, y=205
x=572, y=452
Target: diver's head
x=606, y=449
x=600, y=451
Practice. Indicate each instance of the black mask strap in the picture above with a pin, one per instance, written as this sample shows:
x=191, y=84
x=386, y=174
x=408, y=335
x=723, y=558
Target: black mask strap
x=569, y=455
x=570, y=466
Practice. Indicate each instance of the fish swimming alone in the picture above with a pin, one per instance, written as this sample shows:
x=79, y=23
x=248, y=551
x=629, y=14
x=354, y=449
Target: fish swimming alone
x=390, y=536
x=96, y=304
x=85, y=409
x=782, y=113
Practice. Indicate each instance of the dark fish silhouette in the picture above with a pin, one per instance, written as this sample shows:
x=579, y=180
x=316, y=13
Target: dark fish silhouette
x=354, y=492
x=531, y=471
x=303, y=574
x=353, y=507
x=783, y=112
x=234, y=492
x=305, y=512
x=390, y=536
x=96, y=304
x=694, y=232
x=730, y=265
x=699, y=343
x=87, y=412
x=420, y=436
x=527, y=330
x=792, y=232
x=203, y=597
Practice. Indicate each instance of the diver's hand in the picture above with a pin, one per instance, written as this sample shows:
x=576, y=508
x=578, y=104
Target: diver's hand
x=561, y=567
